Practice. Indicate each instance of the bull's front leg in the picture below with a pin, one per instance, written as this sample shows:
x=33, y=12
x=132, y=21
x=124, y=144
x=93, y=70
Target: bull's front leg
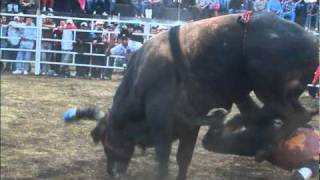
x=187, y=141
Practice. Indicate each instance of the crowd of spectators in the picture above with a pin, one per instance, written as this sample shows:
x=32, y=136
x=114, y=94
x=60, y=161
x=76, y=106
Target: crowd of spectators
x=93, y=42
x=156, y=8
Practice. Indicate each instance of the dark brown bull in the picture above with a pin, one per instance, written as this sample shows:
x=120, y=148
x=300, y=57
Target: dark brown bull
x=178, y=76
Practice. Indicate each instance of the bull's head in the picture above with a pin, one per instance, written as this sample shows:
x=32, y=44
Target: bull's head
x=118, y=146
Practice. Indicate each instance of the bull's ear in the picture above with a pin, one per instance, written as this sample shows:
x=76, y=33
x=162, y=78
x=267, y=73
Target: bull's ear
x=216, y=114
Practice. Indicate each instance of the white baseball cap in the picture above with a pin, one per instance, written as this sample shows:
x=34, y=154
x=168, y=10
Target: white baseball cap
x=84, y=24
x=69, y=21
x=99, y=22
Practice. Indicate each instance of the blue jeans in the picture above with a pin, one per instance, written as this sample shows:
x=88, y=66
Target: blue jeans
x=309, y=20
x=26, y=56
x=13, y=8
x=139, y=7
x=225, y=4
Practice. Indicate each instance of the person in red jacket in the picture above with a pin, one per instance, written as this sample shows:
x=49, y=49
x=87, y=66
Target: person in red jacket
x=316, y=76
x=314, y=87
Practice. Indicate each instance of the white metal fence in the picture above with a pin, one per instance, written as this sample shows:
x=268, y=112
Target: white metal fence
x=38, y=19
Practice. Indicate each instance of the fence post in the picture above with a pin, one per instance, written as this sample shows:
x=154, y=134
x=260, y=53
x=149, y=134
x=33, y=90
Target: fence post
x=38, y=45
x=146, y=31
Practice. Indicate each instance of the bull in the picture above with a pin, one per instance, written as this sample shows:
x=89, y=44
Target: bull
x=175, y=78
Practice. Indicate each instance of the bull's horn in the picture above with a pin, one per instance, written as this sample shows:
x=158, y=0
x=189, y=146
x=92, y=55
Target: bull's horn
x=215, y=114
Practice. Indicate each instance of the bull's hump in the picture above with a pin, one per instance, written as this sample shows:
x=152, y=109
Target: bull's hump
x=194, y=35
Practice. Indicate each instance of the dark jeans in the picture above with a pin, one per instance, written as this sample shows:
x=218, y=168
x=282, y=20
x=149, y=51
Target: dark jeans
x=12, y=55
x=56, y=58
x=97, y=60
x=109, y=71
x=81, y=70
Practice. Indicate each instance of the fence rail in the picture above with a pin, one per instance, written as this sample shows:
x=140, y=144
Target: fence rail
x=37, y=50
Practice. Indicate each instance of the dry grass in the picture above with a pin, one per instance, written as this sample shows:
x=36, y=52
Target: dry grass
x=36, y=144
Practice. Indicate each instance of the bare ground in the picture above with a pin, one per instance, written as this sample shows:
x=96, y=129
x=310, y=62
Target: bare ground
x=36, y=144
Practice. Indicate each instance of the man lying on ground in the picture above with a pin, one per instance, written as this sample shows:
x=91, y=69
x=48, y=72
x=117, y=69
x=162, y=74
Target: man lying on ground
x=298, y=151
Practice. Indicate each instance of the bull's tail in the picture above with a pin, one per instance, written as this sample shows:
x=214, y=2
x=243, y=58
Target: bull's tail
x=89, y=113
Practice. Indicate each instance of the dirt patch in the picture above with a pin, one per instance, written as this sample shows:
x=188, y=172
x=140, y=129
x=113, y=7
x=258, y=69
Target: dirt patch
x=36, y=144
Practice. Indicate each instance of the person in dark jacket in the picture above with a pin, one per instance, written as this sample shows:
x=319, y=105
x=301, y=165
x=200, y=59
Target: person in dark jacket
x=98, y=47
x=82, y=47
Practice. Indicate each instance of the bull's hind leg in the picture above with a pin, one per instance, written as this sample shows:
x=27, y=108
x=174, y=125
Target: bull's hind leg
x=187, y=142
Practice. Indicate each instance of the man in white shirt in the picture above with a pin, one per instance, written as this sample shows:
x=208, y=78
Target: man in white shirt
x=125, y=48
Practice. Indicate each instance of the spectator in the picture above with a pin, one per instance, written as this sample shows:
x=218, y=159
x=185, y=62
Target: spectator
x=81, y=47
x=289, y=9
x=237, y=6
x=312, y=13
x=225, y=4
x=14, y=32
x=28, y=37
x=13, y=6
x=48, y=26
x=4, y=42
x=65, y=5
x=125, y=48
x=274, y=6
x=157, y=8
x=260, y=5
x=204, y=7
x=67, y=46
x=105, y=4
x=136, y=29
x=98, y=47
x=57, y=34
x=215, y=6
x=47, y=4
x=139, y=6
x=314, y=87
x=27, y=5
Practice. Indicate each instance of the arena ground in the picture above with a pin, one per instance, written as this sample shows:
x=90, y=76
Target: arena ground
x=36, y=144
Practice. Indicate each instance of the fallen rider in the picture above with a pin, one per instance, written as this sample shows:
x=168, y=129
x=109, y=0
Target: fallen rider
x=299, y=152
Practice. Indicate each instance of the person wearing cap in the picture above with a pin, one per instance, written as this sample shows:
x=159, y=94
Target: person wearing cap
x=28, y=36
x=98, y=47
x=14, y=31
x=47, y=29
x=67, y=45
x=81, y=47
x=125, y=48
